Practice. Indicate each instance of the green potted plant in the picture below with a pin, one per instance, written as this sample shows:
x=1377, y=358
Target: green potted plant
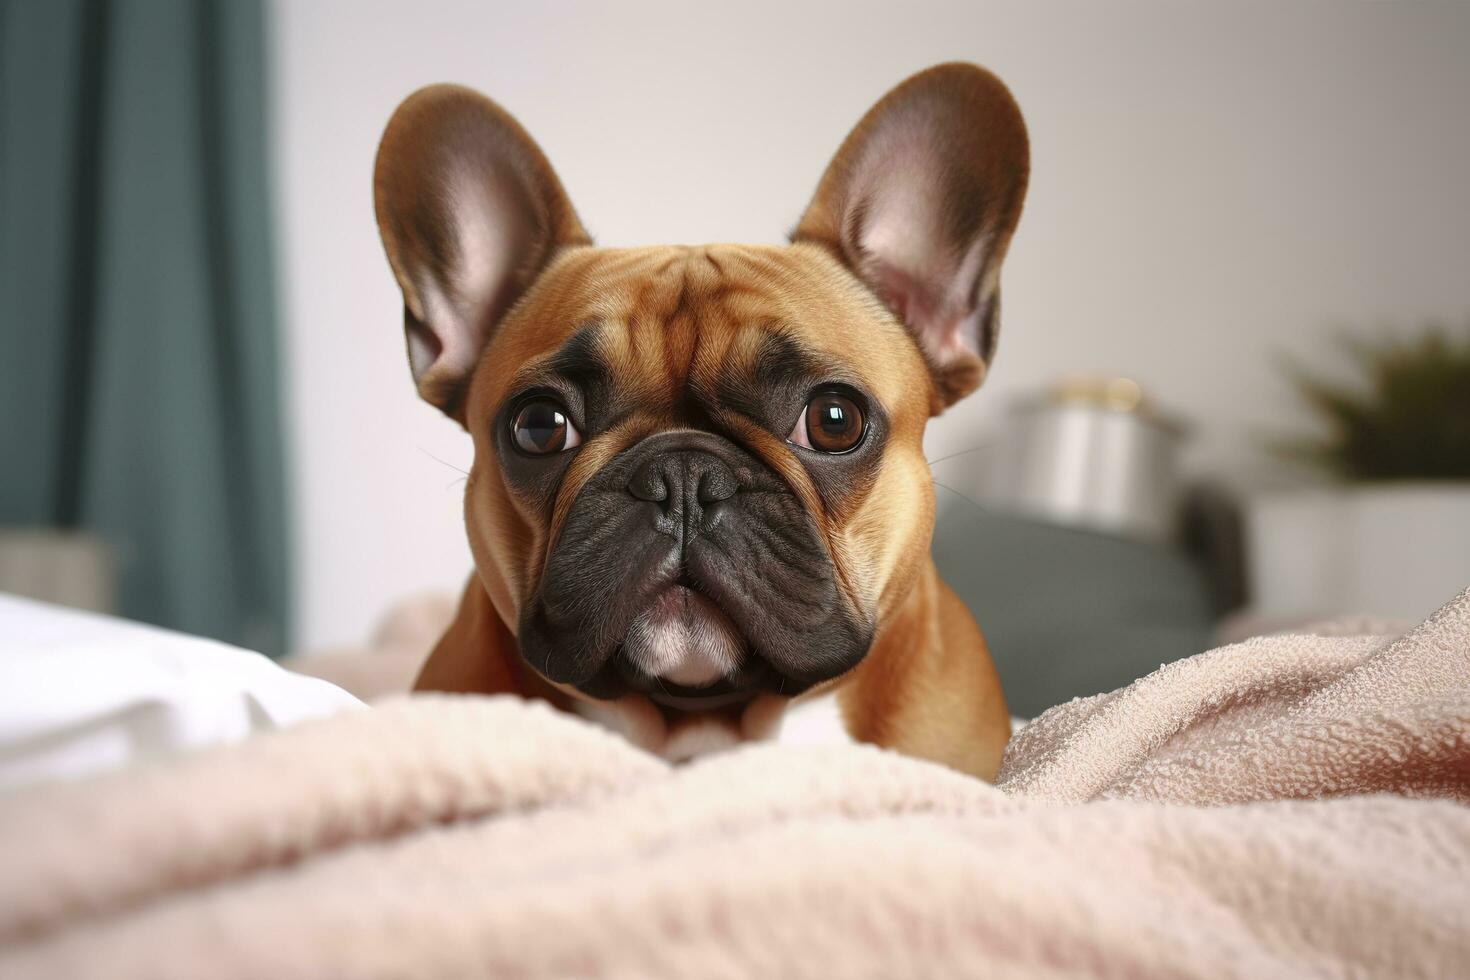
x=1389, y=533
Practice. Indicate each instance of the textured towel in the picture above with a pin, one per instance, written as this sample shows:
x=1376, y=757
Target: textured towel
x=1290, y=805
x=1303, y=716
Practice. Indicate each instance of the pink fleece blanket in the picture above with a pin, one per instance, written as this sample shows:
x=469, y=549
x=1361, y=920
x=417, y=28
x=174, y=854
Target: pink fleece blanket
x=1291, y=805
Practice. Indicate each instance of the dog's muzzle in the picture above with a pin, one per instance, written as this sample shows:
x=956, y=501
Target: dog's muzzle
x=687, y=570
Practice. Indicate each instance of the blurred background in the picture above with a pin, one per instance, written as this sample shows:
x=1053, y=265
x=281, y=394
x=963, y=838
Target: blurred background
x=1233, y=384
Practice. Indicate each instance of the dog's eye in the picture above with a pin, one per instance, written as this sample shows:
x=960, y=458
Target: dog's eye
x=831, y=423
x=541, y=427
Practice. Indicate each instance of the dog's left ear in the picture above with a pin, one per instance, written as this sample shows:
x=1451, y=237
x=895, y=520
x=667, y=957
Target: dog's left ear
x=920, y=203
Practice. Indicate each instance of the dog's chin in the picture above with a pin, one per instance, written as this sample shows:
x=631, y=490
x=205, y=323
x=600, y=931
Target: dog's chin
x=683, y=640
x=685, y=654
x=684, y=683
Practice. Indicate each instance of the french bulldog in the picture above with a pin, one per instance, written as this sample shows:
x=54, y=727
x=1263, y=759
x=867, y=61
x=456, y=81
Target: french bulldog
x=699, y=489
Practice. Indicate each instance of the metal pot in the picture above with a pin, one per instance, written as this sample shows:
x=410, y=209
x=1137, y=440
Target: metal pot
x=1092, y=453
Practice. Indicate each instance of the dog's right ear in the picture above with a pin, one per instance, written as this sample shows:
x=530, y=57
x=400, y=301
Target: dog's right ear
x=470, y=212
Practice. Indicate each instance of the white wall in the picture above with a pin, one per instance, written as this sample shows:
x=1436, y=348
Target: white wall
x=1211, y=186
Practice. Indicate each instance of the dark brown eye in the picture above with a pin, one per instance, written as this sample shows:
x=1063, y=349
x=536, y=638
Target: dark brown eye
x=541, y=427
x=831, y=423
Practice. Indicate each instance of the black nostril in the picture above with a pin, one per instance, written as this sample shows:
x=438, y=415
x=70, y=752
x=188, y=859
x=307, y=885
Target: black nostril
x=684, y=483
x=650, y=482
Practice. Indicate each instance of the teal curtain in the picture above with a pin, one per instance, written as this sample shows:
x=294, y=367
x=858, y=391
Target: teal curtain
x=139, y=380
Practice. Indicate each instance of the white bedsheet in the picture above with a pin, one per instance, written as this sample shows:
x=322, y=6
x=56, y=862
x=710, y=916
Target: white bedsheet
x=82, y=693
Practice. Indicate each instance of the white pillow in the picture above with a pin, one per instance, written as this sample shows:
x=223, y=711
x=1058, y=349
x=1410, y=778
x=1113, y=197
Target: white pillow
x=82, y=694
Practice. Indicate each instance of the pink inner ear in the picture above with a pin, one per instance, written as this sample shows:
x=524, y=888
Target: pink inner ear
x=460, y=301
x=423, y=348
x=931, y=292
x=904, y=250
x=945, y=327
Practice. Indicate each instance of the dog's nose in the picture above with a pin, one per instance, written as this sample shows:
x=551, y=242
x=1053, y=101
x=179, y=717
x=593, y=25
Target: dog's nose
x=684, y=482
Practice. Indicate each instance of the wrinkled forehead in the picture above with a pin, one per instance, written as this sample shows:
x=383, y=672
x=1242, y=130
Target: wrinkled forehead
x=718, y=322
